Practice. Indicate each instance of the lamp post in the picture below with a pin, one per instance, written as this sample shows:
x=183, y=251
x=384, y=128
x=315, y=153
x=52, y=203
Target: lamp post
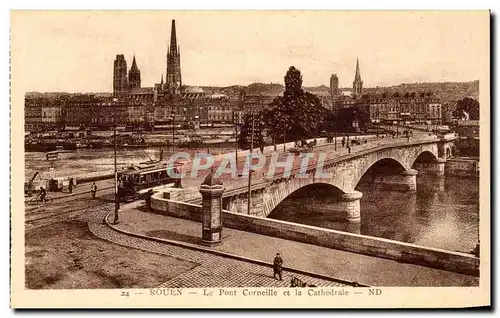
x=251, y=163
x=284, y=136
x=235, y=122
x=117, y=202
x=335, y=140
x=173, y=131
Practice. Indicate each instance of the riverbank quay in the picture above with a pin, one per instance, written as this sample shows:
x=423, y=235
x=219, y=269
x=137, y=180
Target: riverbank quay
x=79, y=190
x=342, y=265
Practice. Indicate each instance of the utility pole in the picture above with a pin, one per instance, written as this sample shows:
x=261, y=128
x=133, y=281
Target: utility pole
x=235, y=122
x=117, y=202
x=251, y=163
x=284, y=137
x=173, y=131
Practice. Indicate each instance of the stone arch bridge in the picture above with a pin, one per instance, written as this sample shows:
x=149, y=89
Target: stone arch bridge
x=393, y=165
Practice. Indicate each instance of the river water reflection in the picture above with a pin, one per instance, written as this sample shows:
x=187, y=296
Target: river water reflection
x=442, y=213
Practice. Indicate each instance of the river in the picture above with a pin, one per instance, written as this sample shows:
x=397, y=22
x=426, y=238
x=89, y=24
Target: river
x=84, y=161
x=442, y=213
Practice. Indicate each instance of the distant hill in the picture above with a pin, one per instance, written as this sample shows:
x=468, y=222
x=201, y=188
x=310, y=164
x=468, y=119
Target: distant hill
x=252, y=89
x=446, y=91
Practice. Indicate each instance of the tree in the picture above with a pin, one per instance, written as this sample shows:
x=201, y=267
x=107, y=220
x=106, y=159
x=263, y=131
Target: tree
x=469, y=105
x=293, y=116
x=245, y=134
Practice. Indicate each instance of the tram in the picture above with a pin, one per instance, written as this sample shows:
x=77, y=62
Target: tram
x=133, y=180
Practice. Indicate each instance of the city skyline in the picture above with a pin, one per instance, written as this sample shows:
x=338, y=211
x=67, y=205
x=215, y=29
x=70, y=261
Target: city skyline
x=259, y=48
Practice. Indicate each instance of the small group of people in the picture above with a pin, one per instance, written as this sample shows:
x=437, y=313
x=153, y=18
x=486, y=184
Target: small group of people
x=304, y=143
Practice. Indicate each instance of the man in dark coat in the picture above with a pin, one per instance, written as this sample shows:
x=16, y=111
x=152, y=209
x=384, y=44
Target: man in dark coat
x=278, y=266
x=70, y=185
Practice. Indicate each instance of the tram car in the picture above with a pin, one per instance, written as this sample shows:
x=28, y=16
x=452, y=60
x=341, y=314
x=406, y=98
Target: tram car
x=133, y=180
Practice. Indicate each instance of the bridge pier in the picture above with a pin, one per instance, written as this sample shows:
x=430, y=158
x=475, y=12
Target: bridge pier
x=348, y=205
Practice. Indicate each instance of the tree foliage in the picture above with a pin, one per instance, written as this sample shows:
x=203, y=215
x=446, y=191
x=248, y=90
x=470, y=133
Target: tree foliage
x=295, y=115
x=469, y=105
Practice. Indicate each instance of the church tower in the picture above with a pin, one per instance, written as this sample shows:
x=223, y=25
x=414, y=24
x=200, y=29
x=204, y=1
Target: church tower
x=120, y=83
x=173, y=80
x=134, y=76
x=334, y=85
x=357, y=85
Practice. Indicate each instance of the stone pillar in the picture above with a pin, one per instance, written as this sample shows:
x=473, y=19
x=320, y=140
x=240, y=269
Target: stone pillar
x=409, y=180
x=439, y=167
x=349, y=203
x=211, y=191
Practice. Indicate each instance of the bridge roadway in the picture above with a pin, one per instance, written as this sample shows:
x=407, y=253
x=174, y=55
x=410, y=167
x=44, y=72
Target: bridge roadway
x=331, y=153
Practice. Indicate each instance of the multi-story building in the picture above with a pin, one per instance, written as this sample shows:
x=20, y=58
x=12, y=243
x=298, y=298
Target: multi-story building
x=256, y=103
x=408, y=107
x=43, y=113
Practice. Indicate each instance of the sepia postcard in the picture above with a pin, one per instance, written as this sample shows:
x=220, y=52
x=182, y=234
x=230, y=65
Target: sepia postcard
x=250, y=159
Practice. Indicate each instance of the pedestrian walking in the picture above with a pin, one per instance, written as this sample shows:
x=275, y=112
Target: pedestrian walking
x=93, y=189
x=343, y=142
x=147, y=198
x=70, y=185
x=278, y=266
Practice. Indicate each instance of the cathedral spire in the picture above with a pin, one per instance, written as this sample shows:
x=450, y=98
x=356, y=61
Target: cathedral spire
x=161, y=79
x=357, y=77
x=173, y=80
x=173, y=39
x=357, y=85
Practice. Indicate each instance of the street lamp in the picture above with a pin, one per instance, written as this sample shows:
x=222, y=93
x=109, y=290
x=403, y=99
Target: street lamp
x=117, y=202
x=251, y=163
x=173, y=131
x=235, y=122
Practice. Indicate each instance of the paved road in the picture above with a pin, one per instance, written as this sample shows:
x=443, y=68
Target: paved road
x=213, y=271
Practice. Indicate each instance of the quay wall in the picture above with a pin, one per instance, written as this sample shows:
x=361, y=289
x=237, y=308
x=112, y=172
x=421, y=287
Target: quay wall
x=373, y=246
x=462, y=167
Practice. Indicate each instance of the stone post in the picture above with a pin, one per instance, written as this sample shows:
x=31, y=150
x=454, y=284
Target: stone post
x=211, y=191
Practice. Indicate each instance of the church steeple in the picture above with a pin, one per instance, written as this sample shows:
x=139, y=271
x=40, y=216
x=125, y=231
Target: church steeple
x=357, y=77
x=134, y=65
x=173, y=39
x=134, y=75
x=173, y=79
x=357, y=85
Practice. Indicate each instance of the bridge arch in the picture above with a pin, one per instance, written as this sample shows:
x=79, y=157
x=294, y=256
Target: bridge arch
x=385, y=167
x=309, y=193
x=338, y=203
x=424, y=157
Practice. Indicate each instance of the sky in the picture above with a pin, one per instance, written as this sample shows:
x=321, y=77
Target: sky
x=73, y=51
